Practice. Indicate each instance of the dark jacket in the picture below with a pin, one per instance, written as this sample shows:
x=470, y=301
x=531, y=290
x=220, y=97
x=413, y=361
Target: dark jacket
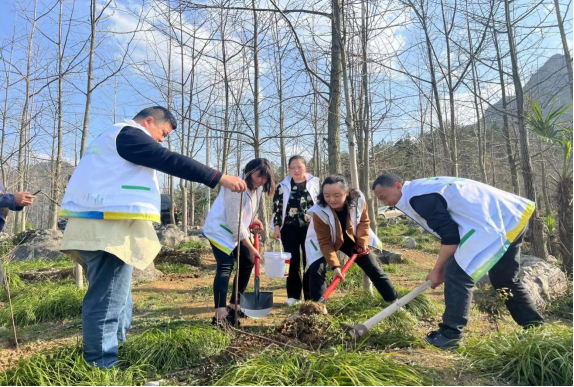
x=6, y=201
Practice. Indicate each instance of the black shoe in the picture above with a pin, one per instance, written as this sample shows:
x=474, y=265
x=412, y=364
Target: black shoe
x=239, y=313
x=439, y=340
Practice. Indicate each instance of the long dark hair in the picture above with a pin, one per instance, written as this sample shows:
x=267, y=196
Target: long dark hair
x=263, y=166
x=353, y=194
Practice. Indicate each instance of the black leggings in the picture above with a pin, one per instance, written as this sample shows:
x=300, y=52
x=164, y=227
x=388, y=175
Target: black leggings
x=316, y=274
x=224, y=268
x=293, y=238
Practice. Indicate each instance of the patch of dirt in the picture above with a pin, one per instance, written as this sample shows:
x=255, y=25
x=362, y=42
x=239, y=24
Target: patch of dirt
x=310, y=326
x=47, y=274
x=10, y=356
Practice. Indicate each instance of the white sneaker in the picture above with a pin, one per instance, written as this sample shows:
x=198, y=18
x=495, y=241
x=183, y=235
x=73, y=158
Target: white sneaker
x=292, y=301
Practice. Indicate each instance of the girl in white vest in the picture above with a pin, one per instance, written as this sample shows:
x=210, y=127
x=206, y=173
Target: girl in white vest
x=482, y=228
x=221, y=228
x=293, y=197
x=340, y=222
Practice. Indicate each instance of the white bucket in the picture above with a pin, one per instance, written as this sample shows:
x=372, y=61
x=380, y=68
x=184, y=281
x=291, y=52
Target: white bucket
x=276, y=263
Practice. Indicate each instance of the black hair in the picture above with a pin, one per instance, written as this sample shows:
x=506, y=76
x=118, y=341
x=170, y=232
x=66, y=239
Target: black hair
x=264, y=167
x=297, y=157
x=159, y=114
x=387, y=180
x=353, y=194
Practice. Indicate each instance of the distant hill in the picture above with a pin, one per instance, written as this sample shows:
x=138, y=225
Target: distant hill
x=548, y=83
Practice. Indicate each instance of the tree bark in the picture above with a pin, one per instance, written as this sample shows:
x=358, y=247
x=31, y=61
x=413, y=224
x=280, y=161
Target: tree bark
x=564, y=43
x=333, y=121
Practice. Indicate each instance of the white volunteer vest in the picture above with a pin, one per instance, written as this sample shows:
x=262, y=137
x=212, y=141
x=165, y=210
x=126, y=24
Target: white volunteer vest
x=105, y=186
x=216, y=228
x=312, y=249
x=312, y=185
x=488, y=219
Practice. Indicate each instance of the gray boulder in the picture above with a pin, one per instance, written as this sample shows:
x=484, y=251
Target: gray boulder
x=170, y=236
x=148, y=274
x=410, y=243
x=36, y=244
x=388, y=257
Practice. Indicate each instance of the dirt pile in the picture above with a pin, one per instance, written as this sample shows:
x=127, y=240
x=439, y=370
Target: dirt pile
x=311, y=326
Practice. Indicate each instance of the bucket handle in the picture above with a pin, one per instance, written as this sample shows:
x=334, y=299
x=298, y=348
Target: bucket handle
x=281, y=250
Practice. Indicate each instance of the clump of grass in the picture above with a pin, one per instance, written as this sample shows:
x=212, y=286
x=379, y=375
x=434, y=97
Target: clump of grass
x=62, y=262
x=421, y=306
x=392, y=268
x=172, y=349
x=65, y=366
x=538, y=356
x=287, y=368
x=43, y=302
x=193, y=244
x=492, y=302
x=175, y=268
x=394, y=233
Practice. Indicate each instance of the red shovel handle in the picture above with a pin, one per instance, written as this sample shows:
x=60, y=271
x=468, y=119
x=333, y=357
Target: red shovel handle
x=256, y=245
x=336, y=281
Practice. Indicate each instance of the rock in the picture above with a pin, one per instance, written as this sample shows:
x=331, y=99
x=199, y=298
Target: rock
x=388, y=257
x=410, y=243
x=195, y=231
x=543, y=280
x=148, y=274
x=552, y=259
x=170, y=236
x=36, y=244
x=191, y=256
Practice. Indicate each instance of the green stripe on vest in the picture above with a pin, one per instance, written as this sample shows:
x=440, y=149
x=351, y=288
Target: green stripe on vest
x=136, y=187
x=312, y=243
x=466, y=236
x=226, y=229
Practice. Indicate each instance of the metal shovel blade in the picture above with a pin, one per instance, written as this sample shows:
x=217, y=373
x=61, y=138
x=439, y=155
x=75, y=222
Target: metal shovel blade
x=257, y=307
x=355, y=331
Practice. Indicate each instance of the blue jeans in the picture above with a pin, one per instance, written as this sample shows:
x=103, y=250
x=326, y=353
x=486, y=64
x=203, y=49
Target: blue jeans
x=107, y=307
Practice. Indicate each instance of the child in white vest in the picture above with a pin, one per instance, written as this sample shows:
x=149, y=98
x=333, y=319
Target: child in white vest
x=481, y=230
x=340, y=222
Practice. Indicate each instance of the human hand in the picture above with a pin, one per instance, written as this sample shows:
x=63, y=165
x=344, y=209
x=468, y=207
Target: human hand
x=277, y=233
x=233, y=183
x=257, y=225
x=23, y=199
x=338, y=273
x=361, y=251
x=253, y=253
x=436, y=277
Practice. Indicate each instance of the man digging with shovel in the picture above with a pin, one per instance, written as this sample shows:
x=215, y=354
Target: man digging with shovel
x=482, y=228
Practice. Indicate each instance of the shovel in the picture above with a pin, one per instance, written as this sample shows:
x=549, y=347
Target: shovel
x=257, y=304
x=336, y=281
x=358, y=331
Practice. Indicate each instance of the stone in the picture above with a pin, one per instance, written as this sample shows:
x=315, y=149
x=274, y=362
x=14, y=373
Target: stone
x=387, y=257
x=195, y=231
x=36, y=244
x=410, y=243
x=148, y=274
x=170, y=236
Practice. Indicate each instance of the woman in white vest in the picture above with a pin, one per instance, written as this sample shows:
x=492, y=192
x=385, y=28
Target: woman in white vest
x=340, y=222
x=221, y=227
x=293, y=197
x=481, y=227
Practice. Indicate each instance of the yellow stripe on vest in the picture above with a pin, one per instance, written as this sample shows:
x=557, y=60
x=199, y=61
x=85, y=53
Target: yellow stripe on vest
x=515, y=232
x=129, y=215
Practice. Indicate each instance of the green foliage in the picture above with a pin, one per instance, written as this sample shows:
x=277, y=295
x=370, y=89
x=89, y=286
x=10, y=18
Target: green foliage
x=394, y=233
x=63, y=262
x=42, y=302
x=339, y=368
x=550, y=222
x=172, y=349
x=65, y=366
x=561, y=307
x=492, y=302
x=175, y=268
x=540, y=356
x=188, y=245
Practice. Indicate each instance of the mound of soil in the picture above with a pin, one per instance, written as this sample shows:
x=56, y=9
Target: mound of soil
x=192, y=257
x=310, y=326
x=310, y=308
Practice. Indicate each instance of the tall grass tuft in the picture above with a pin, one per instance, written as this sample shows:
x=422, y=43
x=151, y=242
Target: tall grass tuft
x=287, y=368
x=65, y=366
x=46, y=301
x=172, y=349
x=540, y=356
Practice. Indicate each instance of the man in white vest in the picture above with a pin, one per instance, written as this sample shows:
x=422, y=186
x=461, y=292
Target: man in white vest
x=111, y=200
x=481, y=227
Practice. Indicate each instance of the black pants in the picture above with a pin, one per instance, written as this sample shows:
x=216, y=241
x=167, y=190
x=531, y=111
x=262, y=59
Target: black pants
x=224, y=267
x=293, y=238
x=459, y=286
x=368, y=263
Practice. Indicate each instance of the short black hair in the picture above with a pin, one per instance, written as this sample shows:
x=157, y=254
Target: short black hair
x=297, y=157
x=264, y=167
x=159, y=114
x=387, y=180
x=353, y=194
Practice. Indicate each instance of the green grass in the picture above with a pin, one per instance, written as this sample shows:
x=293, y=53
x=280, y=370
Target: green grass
x=537, y=356
x=176, y=268
x=41, y=302
x=337, y=368
x=172, y=349
x=394, y=234
x=65, y=366
x=561, y=308
x=192, y=245
x=62, y=262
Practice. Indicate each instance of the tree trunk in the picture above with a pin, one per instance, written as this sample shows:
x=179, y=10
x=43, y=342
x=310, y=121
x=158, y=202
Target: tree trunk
x=5, y=115
x=505, y=128
x=183, y=183
x=538, y=243
x=565, y=222
x=333, y=121
x=564, y=43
